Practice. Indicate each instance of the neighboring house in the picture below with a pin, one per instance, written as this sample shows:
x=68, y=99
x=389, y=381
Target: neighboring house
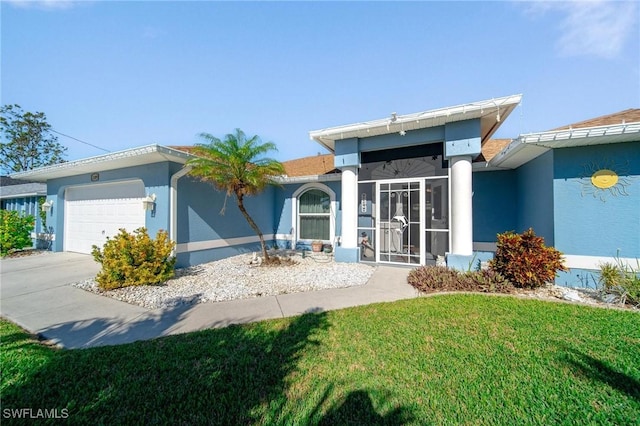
x=22, y=196
x=407, y=189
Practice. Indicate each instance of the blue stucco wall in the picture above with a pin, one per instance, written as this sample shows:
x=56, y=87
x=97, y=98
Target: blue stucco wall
x=199, y=220
x=282, y=206
x=495, y=206
x=462, y=138
x=534, y=197
x=155, y=178
x=594, y=222
x=346, y=153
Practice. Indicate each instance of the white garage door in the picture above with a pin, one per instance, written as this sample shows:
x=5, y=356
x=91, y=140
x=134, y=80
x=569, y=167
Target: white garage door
x=95, y=212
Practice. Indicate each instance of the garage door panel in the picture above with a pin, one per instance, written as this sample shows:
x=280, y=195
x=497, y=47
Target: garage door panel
x=91, y=221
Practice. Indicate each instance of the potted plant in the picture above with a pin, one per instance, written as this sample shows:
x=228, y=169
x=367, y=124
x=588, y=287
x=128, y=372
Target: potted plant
x=316, y=246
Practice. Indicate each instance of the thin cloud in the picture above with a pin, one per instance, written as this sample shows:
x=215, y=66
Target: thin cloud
x=591, y=28
x=43, y=4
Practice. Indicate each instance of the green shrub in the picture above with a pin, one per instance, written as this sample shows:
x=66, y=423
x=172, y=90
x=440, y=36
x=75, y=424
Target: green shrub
x=621, y=279
x=431, y=279
x=524, y=260
x=15, y=231
x=134, y=259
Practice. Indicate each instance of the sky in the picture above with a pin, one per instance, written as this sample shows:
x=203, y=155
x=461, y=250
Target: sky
x=118, y=75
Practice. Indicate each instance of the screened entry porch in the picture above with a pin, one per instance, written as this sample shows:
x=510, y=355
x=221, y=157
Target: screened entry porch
x=404, y=221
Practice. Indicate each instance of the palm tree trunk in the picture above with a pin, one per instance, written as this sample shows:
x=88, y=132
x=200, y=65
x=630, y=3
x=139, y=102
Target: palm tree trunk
x=253, y=225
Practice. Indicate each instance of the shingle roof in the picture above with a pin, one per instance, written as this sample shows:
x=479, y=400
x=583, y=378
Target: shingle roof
x=491, y=148
x=631, y=115
x=6, y=181
x=14, y=188
x=310, y=166
x=323, y=164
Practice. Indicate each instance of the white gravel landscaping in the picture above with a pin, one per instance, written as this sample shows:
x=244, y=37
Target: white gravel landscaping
x=234, y=278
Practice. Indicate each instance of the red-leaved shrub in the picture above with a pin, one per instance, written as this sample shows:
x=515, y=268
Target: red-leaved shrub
x=430, y=279
x=525, y=261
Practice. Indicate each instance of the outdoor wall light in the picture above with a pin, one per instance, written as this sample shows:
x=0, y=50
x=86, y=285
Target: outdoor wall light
x=46, y=206
x=149, y=202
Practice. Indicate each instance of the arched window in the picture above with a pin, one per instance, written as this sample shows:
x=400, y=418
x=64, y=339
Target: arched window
x=314, y=215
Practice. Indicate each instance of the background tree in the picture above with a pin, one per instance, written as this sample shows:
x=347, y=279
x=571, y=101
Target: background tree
x=237, y=165
x=27, y=141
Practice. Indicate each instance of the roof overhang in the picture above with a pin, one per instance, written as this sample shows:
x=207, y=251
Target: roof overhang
x=491, y=113
x=332, y=177
x=527, y=147
x=148, y=154
x=24, y=190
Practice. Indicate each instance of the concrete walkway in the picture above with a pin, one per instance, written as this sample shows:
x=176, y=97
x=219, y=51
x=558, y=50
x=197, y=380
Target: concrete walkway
x=37, y=295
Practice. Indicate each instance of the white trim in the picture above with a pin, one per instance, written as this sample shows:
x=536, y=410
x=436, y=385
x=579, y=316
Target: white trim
x=437, y=117
x=219, y=243
x=547, y=138
x=529, y=146
x=295, y=218
x=461, y=215
x=23, y=195
x=332, y=177
x=422, y=197
x=114, y=160
x=173, y=204
x=485, y=246
x=573, y=260
x=594, y=262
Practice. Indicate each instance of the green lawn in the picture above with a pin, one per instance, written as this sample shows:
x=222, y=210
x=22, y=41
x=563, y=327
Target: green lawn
x=451, y=359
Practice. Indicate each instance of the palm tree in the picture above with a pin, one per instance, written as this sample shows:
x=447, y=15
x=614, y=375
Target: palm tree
x=237, y=165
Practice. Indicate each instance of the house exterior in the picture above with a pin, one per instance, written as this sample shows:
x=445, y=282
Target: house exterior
x=23, y=197
x=424, y=188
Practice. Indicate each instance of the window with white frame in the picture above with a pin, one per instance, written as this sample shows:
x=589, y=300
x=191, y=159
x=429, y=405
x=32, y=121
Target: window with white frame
x=314, y=215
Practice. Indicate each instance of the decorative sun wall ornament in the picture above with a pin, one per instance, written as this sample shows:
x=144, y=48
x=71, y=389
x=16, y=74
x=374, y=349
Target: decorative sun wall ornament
x=602, y=180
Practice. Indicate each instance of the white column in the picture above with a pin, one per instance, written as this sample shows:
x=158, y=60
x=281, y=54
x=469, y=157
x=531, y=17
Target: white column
x=461, y=226
x=349, y=207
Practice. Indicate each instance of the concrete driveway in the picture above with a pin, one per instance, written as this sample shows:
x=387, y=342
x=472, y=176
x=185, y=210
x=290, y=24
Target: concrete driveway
x=28, y=274
x=36, y=293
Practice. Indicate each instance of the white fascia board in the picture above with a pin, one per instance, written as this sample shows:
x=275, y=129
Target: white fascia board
x=529, y=146
x=130, y=157
x=486, y=166
x=584, y=136
x=414, y=121
x=311, y=178
x=22, y=195
x=514, y=146
x=516, y=154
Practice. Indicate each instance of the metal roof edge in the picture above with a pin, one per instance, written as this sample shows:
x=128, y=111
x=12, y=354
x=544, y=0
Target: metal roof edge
x=23, y=194
x=321, y=134
x=547, y=139
x=169, y=153
x=540, y=138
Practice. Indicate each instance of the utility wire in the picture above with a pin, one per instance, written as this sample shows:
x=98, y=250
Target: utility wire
x=76, y=139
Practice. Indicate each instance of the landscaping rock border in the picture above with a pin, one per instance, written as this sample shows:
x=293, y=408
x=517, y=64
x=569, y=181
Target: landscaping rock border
x=234, y=278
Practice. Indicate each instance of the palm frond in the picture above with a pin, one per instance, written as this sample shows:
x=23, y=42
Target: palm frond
x=235, y=164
